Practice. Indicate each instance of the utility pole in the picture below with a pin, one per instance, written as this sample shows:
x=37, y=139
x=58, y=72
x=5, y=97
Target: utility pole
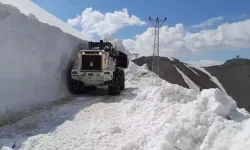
x=157, y=23
x=136, y=55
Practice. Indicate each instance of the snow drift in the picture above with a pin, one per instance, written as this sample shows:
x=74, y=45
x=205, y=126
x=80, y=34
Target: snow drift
x=159, y=116
x=34, y=58
x=29, y=8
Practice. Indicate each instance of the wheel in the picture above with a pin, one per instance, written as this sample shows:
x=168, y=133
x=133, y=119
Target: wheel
x=114, y=87
x=90, y=88
x=122, y=80
x=75, y=87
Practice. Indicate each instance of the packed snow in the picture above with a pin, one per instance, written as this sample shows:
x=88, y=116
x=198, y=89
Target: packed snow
x=189, y=82
x=34, y=59
x=150, y=114
x=30, y=9
x=36, y=52
x=171, y=58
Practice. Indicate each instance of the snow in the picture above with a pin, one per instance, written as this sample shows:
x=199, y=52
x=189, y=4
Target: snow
x=28, y=7
x=36, y=51
x=189, y=82
x=150, y=114
x=34, y=59
x=171, y=58
x=118, y=43
x=213, y=78
x=191, y=69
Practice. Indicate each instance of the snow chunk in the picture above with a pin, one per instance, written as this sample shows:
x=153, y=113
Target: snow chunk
x=217, y=102
x=144, y=70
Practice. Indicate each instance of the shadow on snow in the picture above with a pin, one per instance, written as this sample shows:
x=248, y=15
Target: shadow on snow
x=54, y=114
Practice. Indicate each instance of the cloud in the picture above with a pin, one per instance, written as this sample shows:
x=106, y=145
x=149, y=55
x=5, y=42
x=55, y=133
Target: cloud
x=205, y=63
x=73, y=22
x=95, y=22
x=243, y=16
x=176, y=41
x=208, y=23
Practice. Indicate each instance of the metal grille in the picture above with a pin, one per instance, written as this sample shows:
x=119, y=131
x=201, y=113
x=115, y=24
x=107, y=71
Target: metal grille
x=91, y=62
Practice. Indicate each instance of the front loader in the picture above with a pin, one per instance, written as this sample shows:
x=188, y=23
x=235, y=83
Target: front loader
x=101, y=64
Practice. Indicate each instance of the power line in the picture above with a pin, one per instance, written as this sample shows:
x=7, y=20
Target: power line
x=157, y=23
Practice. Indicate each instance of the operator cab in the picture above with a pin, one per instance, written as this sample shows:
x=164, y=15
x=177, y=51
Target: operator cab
x=106, y=46
x=99, y=45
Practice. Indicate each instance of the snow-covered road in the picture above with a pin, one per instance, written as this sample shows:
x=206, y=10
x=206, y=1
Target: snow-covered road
x=88, y=108
x=149, y=114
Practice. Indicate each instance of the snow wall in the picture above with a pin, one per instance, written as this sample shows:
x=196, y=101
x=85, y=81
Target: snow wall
x=34, y=60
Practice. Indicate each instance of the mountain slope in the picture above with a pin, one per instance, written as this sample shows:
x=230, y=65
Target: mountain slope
x=169, y=72
x=233, y=77
x=150, y=114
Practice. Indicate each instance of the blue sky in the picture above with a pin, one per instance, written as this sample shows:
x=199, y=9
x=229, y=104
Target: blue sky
x=187, y=12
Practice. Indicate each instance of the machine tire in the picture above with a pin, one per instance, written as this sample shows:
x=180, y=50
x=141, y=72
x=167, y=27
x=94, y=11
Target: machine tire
x=76, y=87
x=114, y=87
x=122, y=80
x=90, y=88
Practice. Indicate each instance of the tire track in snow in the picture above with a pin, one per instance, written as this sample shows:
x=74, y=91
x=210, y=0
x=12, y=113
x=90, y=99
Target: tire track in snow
x=48, y=119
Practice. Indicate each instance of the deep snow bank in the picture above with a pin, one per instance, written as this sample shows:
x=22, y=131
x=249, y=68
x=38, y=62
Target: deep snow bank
x=168, y=116
x=34, y=57
x=28, y=7
x=160, y=116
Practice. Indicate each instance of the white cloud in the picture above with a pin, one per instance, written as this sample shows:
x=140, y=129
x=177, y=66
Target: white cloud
x=176, y=41
x=205, y=63
x=208, y=22
x=73, y=22
x=243, y=16
x=95, y=22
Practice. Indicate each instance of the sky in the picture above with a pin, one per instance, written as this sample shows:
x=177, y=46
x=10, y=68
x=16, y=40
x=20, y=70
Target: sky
x=195, y=30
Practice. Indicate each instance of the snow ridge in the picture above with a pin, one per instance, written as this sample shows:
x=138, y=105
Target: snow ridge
x=160, y=115
x=29, y=8
x=34, y=59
